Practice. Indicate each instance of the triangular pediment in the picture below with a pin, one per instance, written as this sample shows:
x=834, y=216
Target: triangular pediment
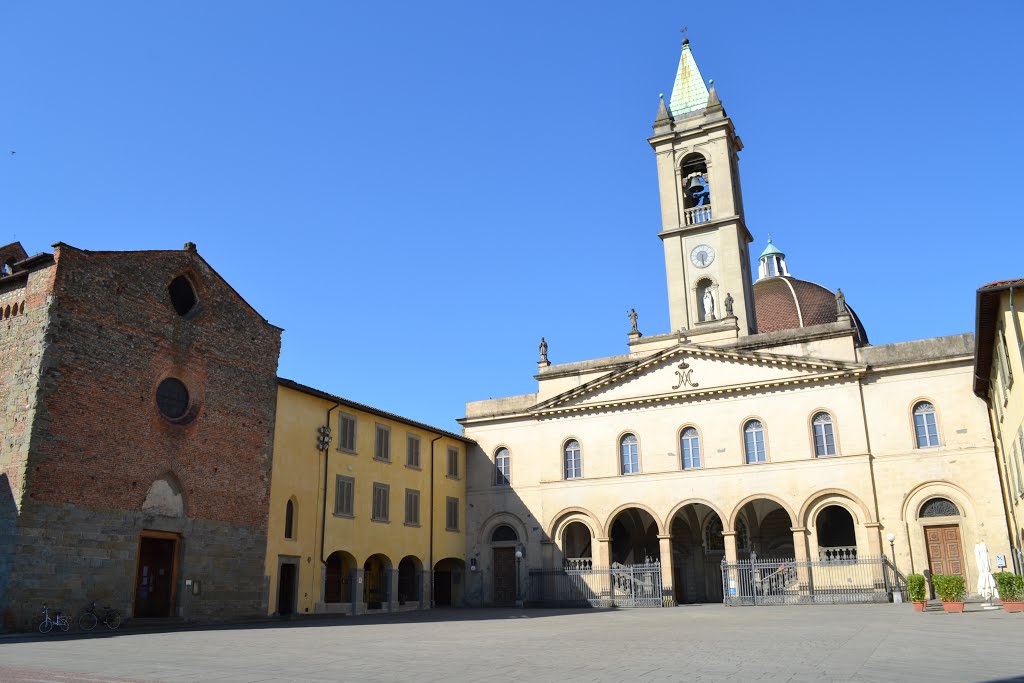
x=687, y=371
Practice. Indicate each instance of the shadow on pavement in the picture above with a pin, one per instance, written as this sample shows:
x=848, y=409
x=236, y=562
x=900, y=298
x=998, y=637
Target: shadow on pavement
x=437, y=615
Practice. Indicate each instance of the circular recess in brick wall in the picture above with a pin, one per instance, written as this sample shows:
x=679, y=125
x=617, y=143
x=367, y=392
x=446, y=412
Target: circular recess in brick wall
x=172, y=398
x=183, y=295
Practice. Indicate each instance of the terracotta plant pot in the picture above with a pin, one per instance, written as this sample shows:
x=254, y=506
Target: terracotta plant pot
x=1013, y=606
x=919, y=605
x=953, y=607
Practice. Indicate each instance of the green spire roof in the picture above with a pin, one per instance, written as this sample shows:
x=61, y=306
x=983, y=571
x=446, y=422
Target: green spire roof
x=689, y=92
x=770, y=250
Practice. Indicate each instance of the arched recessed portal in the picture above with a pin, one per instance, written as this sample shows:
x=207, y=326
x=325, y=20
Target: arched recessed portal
x=837, y=536
x=576, y=543
x=376, y=581
x=697, y=552
x=634, y=537
x=448, y=582
x=769, y=527
x=504, y=545
x=338, y=577
x=410, y=579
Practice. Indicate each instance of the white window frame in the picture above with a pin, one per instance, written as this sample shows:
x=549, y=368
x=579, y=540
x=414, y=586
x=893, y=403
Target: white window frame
x=924, y=413
x=629, y=460
x=821, y=450
x=687, y=443
x=756, y=429
x=572, y=460
x=502, y=467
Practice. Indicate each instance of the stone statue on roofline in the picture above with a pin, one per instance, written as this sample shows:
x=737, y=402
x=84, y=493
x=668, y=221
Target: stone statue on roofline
x=543, y=350
x=728, y=304
x=632, y=319
x=841, y=308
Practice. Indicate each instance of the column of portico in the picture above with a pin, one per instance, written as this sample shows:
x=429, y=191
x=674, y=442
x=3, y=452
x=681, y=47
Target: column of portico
x=800, y=555
x=603, y=559
x=603, y=556
x=731, y=576
x=665, y=547
x=874, y=532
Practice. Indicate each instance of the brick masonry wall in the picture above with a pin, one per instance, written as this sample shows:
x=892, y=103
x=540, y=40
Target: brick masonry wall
x=99, y=442
x=24, y=313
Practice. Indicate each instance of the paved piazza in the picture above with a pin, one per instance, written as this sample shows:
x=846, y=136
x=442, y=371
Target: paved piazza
x=703, y=643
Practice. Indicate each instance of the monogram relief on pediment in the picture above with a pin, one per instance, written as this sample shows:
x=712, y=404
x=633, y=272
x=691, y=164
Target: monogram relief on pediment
x=684, y=375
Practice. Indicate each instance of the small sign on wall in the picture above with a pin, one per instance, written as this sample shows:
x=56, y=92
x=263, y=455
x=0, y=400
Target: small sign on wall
x=1001, y=561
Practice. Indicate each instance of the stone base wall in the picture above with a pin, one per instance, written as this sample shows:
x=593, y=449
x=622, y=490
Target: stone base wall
x=68, y=555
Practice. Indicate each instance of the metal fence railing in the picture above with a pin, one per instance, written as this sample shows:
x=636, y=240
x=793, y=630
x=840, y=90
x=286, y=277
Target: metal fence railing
x=581, y=585
x=786, y=581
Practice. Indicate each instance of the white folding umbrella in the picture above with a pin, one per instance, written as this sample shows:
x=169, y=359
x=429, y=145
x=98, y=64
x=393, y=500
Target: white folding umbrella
x=986, y=583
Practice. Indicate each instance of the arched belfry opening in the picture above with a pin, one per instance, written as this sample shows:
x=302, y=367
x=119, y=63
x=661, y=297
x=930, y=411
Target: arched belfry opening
x=696, y=188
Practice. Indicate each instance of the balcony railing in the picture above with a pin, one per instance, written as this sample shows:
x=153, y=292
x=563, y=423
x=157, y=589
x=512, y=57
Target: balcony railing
x=698, y=214
x=839, y=553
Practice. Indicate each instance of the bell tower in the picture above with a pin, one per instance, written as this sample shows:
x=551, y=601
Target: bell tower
x=707, y=260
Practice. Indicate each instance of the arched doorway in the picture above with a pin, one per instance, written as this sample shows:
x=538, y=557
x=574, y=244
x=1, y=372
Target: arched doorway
x=764, y=527
x=504, y=546
x=410, y=580
x=338, y=577
x=577, y=545
x=634, y=537
x=940, y=518
x=448, y=581
x=836, y=534
x=376, y=581
x=697, y=551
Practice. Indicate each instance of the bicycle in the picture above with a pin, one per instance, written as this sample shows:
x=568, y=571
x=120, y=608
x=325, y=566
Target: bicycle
x=91, y=616
x=59, y=620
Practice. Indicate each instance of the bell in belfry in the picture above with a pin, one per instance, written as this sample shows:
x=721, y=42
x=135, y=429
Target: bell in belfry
x=695, y=187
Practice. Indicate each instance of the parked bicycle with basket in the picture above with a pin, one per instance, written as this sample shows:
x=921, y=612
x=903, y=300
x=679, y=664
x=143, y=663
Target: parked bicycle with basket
x=59, y=620
x=92, y=615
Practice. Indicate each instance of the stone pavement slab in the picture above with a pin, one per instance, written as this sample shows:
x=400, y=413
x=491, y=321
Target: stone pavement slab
x=698, y=643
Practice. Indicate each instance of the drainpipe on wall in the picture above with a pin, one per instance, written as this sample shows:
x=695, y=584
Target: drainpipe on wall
x=327, y=453
x=430, y=551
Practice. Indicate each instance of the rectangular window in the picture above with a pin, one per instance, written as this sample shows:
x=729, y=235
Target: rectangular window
x=1019, y=453
x=344, y=496
x=453, y=462
x=382, y=443
x=755, y=447
x=1004, y=357
x=381, y=493
x=412, y=451
x=412, y=507
x=347, y=432
x=502, y=468
x=451, y=517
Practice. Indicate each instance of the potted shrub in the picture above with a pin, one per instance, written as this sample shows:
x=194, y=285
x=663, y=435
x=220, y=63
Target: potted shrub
x=951, y=590
x=917, y=587
x=1011, y=591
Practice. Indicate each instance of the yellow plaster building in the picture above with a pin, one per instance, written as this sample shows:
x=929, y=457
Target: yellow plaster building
x=363, y=504
x=998, y=360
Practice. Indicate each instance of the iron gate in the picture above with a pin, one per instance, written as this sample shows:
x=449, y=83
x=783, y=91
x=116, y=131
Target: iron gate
x=580, y=584
x=786, y=581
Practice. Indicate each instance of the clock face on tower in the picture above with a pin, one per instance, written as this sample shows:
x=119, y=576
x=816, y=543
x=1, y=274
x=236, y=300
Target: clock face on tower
x=702, y=256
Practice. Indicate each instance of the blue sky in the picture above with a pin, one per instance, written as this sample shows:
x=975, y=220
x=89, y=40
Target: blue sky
x=417, y=192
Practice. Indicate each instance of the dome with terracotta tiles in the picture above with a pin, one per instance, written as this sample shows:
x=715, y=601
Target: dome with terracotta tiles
x=782, y=302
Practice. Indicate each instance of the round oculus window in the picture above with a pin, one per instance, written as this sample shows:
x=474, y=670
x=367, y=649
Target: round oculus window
x=172, y=398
